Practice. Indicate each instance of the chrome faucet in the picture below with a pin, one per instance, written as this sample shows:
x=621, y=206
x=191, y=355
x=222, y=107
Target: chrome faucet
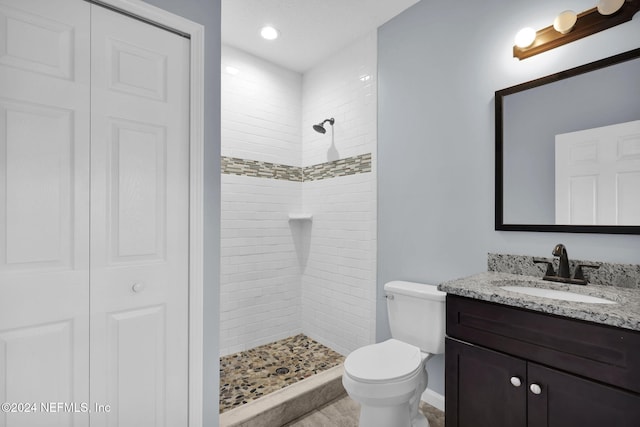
x=563, y=268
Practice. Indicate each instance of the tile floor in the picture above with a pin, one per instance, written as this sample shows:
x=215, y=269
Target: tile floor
x=248, y=375
x=344, y=412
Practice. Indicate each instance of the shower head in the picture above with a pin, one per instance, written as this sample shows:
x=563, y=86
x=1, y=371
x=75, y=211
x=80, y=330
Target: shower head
x=320, y=126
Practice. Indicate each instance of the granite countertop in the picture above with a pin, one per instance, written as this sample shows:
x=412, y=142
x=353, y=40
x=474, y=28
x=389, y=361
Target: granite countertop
x=487, y=287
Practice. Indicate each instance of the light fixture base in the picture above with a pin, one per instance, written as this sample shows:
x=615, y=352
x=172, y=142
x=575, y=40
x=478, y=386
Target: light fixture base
x=588, y=22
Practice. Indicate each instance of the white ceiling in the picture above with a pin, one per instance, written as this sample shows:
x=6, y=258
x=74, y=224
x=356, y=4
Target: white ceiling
x=310, y=30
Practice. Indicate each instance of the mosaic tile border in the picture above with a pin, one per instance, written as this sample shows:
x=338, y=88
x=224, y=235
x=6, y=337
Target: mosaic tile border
x=258, y=169
x=341, y=167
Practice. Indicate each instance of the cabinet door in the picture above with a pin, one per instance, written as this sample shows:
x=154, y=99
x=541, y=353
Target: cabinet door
x=566, y=400
x=479, y=389
x=44, y=215
x=139, y=223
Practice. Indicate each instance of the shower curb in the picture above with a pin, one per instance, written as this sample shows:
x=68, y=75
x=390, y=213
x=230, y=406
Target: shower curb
x=280, y=407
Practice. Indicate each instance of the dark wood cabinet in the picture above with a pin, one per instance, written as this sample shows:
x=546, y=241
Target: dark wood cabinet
x=569, y=400
x=478, y=387
x=503, y=367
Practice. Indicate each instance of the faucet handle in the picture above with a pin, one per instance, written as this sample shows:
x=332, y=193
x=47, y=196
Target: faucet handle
x=579, y=274
x=549, y=271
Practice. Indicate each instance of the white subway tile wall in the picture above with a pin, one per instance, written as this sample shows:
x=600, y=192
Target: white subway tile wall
x=260, y=277
x=259, y=270
x=339, y=281
x=338, y=298
x=279, y=278
x=261, y=110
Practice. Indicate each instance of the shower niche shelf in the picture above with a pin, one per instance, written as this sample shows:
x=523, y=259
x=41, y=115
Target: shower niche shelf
x=300, y=217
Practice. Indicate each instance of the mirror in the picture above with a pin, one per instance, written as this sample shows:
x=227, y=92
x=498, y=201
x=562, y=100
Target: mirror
x=568, y=150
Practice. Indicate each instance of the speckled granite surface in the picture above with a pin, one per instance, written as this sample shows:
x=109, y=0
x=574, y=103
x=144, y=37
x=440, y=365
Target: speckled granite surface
x=487, y=287
x=608, y=274
x=248, y=375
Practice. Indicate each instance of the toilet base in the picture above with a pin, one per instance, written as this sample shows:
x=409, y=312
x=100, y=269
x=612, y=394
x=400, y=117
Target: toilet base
x=385, y=416
x=420, y=421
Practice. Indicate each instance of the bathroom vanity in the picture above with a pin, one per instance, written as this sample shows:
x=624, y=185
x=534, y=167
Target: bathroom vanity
x=514, y=359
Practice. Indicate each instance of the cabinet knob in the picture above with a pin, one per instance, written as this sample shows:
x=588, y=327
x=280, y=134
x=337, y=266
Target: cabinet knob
x=535, y=388
x=137, y=287
x=516, y=381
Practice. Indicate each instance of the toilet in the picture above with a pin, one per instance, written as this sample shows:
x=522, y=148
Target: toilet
x=387, y=379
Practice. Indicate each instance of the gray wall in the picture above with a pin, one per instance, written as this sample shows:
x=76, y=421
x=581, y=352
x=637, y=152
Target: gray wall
x=439, y=64
x=207, y=13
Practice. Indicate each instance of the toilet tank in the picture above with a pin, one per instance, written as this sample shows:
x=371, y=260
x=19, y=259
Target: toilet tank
x=417, y=314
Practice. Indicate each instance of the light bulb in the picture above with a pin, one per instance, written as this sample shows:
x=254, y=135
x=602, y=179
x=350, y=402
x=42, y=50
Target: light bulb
x=269, y=33
x=565, y=21
x=609, y=7
x=525, y=37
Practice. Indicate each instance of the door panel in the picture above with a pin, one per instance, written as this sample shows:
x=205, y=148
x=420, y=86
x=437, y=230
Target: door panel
x=597, y=175
x=628, y=200
x=138, y=192
x=479, y=389
x=139, y=222
x=136, y=70
x=137, y=366
x=36, y=43
x=568, y=400
x=44, y=209
x=38, y=178
x=36, y=379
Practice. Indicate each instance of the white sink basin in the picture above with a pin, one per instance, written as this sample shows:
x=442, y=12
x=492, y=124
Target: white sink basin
x=561, y=295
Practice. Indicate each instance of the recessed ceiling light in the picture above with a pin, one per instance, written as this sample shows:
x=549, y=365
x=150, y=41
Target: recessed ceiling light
x=231, y=70
x=269, y=33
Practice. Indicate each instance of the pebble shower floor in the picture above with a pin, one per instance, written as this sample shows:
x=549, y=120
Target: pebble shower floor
x=250, y=374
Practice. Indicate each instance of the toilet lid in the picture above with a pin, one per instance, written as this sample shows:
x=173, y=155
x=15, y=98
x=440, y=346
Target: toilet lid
x=383, y=362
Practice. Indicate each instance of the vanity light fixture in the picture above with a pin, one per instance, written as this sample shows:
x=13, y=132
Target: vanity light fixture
x=269, y=33
x=607, y=14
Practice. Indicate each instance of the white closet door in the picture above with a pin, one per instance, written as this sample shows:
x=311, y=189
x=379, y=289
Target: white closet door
x=139, y=222
x=44, y=215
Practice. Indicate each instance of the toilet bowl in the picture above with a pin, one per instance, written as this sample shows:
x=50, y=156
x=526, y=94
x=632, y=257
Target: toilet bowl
x=388, y=378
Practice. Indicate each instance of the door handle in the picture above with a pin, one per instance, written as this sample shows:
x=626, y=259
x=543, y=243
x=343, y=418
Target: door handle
x=516, y=381
x=535, y=388
x=138, y=287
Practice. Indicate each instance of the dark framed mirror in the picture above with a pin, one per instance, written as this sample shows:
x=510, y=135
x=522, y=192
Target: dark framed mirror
x=568, y=150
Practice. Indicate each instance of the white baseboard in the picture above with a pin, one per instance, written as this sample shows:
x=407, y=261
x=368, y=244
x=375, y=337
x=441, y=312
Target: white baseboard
x=434, y=399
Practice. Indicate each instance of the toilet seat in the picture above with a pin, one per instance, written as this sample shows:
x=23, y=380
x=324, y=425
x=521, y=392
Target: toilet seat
x=385, y=362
